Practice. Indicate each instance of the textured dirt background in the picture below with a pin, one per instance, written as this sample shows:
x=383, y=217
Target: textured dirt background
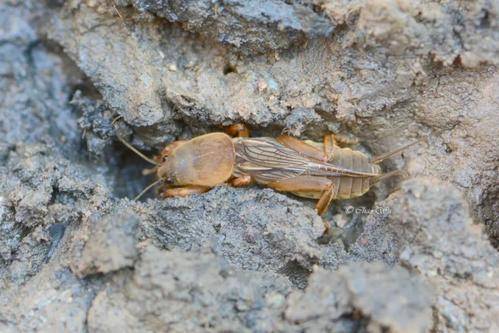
x=417, y=254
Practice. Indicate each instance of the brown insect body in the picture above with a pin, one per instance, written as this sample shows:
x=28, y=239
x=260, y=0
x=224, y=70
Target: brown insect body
x=271, y=163
x=308, y=169
x=207, y=160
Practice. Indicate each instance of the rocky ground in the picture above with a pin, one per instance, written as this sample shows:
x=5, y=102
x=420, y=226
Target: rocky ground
x=416, y=254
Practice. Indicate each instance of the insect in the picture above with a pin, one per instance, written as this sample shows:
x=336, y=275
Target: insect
x=323, y=171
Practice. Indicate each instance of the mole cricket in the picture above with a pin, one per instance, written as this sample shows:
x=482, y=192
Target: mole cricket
x=323, y=171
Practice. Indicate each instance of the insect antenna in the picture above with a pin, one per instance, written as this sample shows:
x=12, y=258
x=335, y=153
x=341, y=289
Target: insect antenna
x=129, y=146
x=382, y=157
x=136, y=151
x=144, y=157
x=388, y=175
x=148, y=187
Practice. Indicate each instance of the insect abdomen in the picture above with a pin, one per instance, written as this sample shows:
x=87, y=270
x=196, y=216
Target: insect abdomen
x=348, y=186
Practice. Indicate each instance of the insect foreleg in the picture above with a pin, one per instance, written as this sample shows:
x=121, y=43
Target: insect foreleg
x=184, y=191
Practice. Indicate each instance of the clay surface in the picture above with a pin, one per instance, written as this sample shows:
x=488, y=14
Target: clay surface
x=418, y=253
